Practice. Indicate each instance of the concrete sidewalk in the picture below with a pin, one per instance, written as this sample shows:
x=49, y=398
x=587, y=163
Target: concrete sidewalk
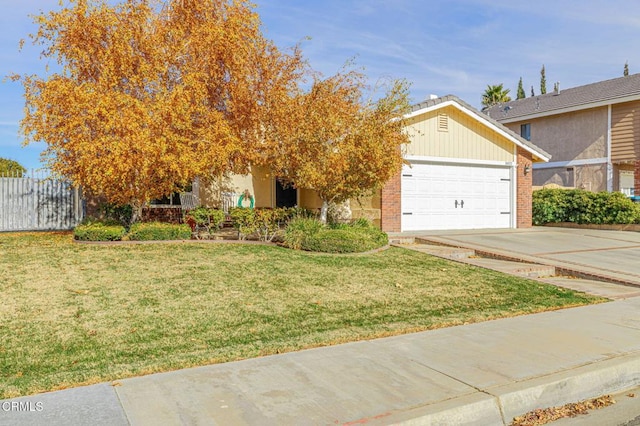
x=483, y=374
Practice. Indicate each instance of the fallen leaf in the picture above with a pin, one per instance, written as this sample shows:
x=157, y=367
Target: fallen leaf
x=77, y=291
x=543, y=416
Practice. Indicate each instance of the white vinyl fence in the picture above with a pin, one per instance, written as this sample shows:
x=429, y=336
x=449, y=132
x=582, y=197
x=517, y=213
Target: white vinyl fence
x=38, y=203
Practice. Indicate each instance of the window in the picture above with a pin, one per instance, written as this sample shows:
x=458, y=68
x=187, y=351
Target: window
x=170, y=200
x=626, y=182
x=525, y=131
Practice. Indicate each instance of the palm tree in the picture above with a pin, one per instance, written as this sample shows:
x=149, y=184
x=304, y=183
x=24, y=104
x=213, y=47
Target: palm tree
x=495, y=95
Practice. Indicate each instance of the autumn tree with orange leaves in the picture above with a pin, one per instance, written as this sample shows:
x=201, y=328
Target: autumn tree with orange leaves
x=341, y=145
x=152, y=94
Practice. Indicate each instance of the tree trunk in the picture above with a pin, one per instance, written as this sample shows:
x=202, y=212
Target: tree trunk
x=136, y=212
x=323, y=211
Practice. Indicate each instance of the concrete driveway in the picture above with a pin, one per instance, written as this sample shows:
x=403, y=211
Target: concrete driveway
x=610, y=255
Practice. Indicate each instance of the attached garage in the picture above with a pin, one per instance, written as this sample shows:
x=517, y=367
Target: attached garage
x=456, y=196
x=464, y=171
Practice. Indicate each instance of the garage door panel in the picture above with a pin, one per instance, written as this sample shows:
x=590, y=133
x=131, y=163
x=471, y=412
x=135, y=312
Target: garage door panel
x=444, y=196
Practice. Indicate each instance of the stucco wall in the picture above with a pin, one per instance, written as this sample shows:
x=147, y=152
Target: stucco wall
x=309, y=199
x=259, y=184
x=572, y=136
x=562, y=176
x=591, y=178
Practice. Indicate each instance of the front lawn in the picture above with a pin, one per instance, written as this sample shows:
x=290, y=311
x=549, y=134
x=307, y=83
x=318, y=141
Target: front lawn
x=75, y=314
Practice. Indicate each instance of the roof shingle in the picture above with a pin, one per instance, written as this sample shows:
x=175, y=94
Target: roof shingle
x=608, y=91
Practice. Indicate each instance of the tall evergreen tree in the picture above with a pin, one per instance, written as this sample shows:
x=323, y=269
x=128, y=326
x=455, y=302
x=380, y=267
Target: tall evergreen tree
x=626, y=69
x=520, y=94
x=543, y=81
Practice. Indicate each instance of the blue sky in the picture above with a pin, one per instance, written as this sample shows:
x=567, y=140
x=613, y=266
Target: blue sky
x=440, y=46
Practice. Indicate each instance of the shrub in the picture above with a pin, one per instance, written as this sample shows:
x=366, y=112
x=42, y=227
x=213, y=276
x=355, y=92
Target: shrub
x=158, y=231
x=298, y=229
x=266, y=223
x=94, y=230
x=295, y=212
x=583, y=207
x=120, y=214
x=244, y=221
x=211, y=219
x=345, y=240
x=269, y=222
x=548, y=206
x=311, y=234
x=361, y=223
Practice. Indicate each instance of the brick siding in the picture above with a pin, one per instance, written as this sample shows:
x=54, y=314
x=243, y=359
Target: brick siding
x=391, y=212
x=162, y=214
x=524, y=190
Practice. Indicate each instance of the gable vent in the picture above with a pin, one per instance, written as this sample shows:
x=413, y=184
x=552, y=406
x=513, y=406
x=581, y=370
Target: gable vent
x=443, y=123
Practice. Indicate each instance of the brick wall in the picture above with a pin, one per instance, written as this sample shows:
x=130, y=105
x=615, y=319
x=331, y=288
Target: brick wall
x=391, y=213
x=162, y=214
x=523, y=190
x=93, y=208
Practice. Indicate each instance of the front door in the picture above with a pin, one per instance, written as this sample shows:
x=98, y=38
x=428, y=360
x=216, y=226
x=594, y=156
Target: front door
x=286, y=196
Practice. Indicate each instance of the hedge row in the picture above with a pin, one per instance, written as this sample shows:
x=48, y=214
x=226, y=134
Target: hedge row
x=302, y=231
x=266, y=224
x=99, y=231
x=154, y=231
x=584, y=207
x=113, y=231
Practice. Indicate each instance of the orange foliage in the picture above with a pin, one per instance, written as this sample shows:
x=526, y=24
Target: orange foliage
x=338, y=145
x=153, y=94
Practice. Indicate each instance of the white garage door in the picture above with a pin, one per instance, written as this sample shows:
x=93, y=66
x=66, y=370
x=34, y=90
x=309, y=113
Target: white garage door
x=443, y=196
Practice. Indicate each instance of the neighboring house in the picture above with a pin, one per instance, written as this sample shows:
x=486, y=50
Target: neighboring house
x=592, y=132
x=465, y=171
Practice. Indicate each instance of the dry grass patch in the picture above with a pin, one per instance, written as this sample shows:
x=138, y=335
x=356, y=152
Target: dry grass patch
x=75, y=314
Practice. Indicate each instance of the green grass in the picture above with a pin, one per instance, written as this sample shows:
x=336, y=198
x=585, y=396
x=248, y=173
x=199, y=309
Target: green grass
x=75, y=314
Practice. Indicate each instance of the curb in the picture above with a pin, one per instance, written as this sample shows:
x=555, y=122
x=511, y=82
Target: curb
x=499, y=405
